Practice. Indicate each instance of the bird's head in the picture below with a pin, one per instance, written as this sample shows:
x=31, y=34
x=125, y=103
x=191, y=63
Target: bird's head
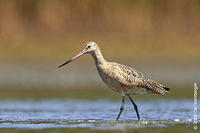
x=90, y=47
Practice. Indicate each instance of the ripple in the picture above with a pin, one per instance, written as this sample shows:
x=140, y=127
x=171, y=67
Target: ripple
x=101, y=114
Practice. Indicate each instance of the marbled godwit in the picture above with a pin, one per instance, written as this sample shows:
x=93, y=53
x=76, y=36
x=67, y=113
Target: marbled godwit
x=121, y=78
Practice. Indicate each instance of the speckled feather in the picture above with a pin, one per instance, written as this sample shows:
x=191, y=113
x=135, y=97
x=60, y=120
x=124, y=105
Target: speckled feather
x=124, y=79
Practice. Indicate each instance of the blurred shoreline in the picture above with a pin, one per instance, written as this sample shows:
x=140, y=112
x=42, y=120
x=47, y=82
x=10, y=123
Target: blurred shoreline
x=83, y=72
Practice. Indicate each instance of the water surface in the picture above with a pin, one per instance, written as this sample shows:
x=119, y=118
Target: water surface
x=54, y=113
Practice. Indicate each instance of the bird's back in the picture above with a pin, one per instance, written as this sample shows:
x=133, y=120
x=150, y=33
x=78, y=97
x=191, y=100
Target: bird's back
x=124, y=78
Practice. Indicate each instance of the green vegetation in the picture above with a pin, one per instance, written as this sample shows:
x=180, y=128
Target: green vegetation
x=178, y=128
x=84, y=93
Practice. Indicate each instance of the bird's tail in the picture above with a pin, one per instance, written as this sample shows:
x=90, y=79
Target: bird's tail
x=156, y=87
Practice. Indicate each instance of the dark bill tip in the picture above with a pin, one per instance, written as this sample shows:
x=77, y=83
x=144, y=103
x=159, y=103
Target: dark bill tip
x=64, y=63
x=75, y=57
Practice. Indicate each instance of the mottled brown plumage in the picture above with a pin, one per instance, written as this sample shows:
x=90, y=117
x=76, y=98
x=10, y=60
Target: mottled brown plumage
x=124, y=79
x=121, y=78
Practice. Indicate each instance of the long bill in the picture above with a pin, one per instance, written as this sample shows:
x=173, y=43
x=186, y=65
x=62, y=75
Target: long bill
x=75, y=57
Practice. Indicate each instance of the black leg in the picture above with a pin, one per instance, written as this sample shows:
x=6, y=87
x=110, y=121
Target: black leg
x=135, y=107
x=121, y=108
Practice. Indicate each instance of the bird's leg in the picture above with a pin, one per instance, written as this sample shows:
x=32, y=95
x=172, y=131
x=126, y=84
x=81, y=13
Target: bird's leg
x=121, y=108
x=135, y=107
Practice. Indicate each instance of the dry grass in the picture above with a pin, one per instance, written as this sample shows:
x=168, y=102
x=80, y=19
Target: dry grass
x=125, y=29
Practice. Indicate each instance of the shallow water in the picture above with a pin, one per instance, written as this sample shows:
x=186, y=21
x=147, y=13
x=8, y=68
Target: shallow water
x=101, y=114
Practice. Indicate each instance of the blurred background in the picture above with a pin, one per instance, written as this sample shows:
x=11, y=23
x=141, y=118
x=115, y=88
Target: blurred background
x=159, y=38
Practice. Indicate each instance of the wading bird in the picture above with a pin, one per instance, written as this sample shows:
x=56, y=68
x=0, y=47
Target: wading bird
x=121, y=78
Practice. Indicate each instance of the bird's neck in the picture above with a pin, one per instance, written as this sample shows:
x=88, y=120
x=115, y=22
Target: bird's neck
x=98, y=57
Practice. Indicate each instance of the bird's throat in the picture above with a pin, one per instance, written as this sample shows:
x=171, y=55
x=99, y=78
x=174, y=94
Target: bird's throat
x=98, y=57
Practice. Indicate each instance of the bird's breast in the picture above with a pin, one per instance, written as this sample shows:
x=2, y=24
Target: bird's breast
x=110, y=78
